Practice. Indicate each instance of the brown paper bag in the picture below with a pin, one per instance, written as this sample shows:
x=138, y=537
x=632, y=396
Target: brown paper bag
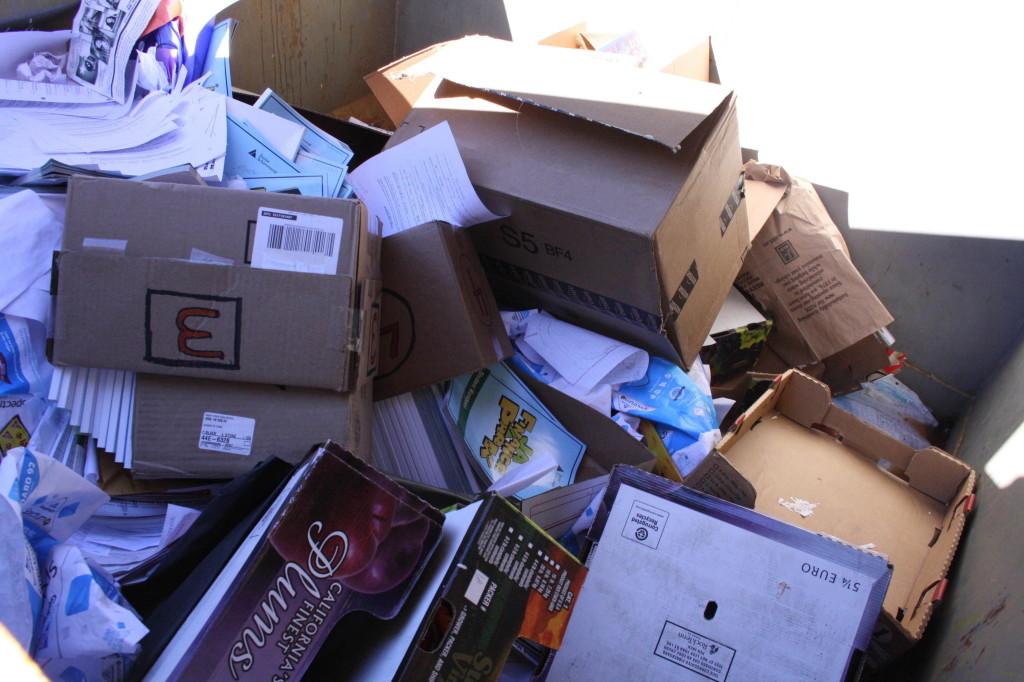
x=799, y=269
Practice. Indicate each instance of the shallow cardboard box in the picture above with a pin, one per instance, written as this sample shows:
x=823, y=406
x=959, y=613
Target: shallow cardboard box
x=870, y=489
x=143, y=306
x=438, y=316
x=625, y=208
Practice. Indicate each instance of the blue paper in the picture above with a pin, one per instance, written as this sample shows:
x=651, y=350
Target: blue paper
x=306, y=185
x=667, y=396
x=250, y=155
x=314, y=140
x=218, y=59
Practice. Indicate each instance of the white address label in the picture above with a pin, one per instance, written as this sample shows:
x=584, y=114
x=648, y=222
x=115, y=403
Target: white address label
x=299, y=242
x=226, y=433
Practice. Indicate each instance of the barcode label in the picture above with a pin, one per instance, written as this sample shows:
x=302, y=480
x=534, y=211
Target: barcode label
x=304, y=239
x=301, y=242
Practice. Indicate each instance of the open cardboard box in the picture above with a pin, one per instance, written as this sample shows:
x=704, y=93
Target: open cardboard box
x=869, y=488
x=621, y=186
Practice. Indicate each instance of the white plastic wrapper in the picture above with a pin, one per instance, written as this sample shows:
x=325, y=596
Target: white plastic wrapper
x=48, y=502
x=87, y=630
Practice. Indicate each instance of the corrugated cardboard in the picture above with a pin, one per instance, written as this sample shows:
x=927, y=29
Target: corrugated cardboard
x=146, y=308
x=169, y=411
x=843, y=372
x=621, y=185
x=869, y=488
x=399, y=84
x=799, y=269
x=438, y=316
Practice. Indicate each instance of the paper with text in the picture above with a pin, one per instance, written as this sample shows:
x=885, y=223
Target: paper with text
x=420, y=180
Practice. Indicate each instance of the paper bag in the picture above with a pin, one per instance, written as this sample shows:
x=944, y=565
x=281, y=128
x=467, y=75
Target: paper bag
x=799, y=269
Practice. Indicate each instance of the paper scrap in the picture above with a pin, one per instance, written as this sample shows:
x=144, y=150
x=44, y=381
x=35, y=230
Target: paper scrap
x=420, y=180
x=799, y=506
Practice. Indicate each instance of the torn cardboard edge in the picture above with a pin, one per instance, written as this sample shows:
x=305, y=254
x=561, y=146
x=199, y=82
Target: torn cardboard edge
x=931, y=472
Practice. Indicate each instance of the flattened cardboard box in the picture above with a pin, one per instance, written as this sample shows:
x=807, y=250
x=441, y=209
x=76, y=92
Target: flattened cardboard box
x=130, y=295
x=705, y=593
x=626, y=214
x=198, y=428
x=494, y=577
x=867, y=487
x=438, y=316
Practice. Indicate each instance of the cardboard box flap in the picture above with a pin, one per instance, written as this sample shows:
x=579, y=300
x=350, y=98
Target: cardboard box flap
x=764, y=187
x=803, y=399
x=582, y=84
x=936, y=474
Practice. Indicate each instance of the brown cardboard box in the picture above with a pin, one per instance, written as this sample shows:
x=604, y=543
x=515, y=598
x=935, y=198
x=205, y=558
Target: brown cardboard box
x=399, y=84
x=137, y=302
x=625, y=211
x=799, y=270
x=869, y=488
x=170, y=421
x=438, y=315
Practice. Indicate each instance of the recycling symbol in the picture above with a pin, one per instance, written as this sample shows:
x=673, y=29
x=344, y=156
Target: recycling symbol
x=641, y=533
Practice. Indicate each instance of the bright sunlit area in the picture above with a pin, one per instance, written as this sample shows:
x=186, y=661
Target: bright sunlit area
x=913, y=108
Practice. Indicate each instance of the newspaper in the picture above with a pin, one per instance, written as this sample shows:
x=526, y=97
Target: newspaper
x=103, y=39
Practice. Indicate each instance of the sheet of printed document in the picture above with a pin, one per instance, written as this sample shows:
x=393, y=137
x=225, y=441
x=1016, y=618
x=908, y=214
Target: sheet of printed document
x=420, y=180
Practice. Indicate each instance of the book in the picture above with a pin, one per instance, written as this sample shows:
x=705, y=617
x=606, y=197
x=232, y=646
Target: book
x=505, y=426
x=339, y=537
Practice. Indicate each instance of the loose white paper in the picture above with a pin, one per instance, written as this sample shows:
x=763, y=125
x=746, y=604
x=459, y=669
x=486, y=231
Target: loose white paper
x=420, y=180
x=300, y=242
x=29, y=234
x=226, y=433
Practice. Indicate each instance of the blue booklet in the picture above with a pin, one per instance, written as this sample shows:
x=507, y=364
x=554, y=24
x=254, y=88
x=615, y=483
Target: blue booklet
x=504, y=425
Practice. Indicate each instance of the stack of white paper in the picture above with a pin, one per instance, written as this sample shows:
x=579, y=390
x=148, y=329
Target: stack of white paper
x=100, y=403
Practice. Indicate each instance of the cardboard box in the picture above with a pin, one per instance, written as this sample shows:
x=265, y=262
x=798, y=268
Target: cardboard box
x=869, y=490
x=494, y=577
x=132, y=296
x=715, y=592
x=625, y=210
x=438, y=316
x=399, y=84
x=263, y=421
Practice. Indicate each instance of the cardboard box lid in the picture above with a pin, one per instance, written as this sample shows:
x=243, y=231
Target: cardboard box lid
x=868, y=486
x=439, y=317
x=580, y=84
